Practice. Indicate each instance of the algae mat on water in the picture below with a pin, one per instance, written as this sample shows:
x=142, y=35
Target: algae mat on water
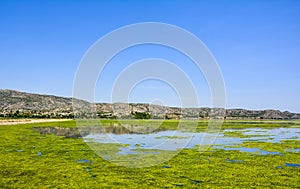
x=32, y=160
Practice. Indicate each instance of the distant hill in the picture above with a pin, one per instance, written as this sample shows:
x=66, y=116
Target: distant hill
x=15, y=104
x=21, y=104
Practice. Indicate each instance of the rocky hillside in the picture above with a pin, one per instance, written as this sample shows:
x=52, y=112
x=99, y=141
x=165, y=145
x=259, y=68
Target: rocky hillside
x=19, y=104
x=26, y=105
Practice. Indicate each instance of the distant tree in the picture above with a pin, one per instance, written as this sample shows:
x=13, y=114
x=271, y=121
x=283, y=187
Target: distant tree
x=141, y=115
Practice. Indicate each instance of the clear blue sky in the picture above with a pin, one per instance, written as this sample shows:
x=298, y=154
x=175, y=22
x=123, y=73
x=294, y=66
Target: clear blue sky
x=256, y=44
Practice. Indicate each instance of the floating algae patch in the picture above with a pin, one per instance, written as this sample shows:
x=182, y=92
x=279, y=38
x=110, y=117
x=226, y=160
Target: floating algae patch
x=170, y=137
x=249, y=150
x=294, y=150
x=235, y=133
x=234, y=161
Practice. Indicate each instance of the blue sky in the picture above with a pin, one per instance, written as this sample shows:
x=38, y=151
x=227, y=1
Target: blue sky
x=256, y=44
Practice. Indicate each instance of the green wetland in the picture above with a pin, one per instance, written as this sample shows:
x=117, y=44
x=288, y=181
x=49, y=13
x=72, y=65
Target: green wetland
x=150, y=154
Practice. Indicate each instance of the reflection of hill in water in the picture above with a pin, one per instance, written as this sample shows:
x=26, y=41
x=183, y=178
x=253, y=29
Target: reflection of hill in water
x=113, y=128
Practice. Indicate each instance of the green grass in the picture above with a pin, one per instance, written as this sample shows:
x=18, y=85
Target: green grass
x=31, y=160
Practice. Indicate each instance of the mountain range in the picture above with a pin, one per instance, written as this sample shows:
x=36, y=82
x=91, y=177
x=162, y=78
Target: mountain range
x=16, y=104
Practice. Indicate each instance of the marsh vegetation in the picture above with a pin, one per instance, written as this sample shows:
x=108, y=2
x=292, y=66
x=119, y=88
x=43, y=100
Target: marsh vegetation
x=259, y=154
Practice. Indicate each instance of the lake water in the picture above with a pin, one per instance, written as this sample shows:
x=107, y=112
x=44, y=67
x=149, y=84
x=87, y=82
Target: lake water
x=140, y=146
x=173, y=140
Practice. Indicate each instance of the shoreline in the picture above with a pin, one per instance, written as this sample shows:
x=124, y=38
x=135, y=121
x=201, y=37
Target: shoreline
x=24, y=121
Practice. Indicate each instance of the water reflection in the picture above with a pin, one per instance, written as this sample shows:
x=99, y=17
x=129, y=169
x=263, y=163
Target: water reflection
x=174, y=140
x=134, y=139
x=113, y=128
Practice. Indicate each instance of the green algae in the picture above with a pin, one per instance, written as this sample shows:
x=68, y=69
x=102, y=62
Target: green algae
x=58, y=166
